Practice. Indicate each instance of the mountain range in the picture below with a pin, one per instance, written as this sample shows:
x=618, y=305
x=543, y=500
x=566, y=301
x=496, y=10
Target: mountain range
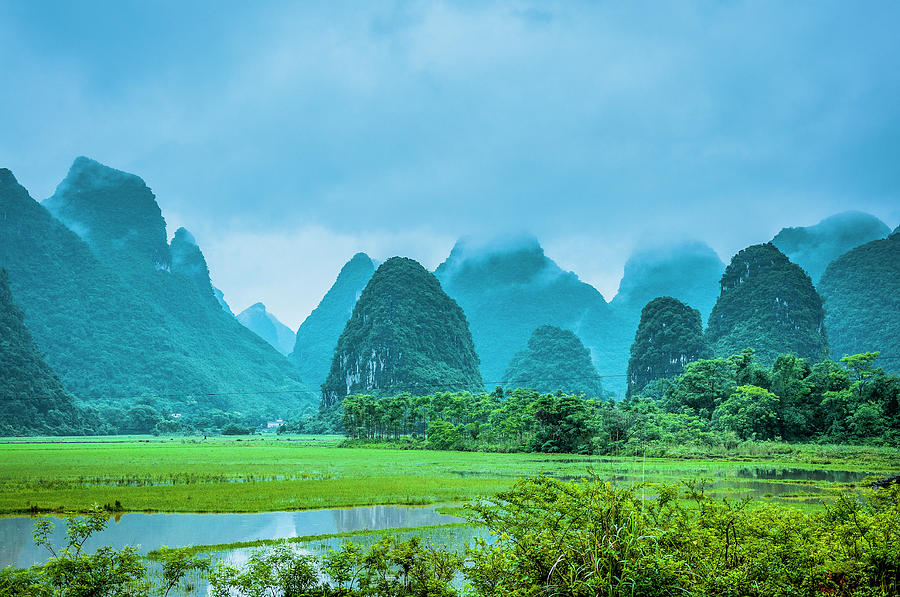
x=117, y=314
x=121, y=314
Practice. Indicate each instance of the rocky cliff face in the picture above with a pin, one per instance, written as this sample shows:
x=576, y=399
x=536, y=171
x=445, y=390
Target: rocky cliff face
x=268, y=327
x=555, y=359
x=669, y=336
x=769, y=304
x=405, y=334
x=317, y=337
x=814, y=247
x=862, y=301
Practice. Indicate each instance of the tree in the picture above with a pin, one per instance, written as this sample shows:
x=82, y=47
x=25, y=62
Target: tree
x=704, y=384
x=751, y=412
x=71, y=572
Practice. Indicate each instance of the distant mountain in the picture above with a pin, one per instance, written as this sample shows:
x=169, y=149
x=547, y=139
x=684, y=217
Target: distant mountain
x=220, y=297
x=405, y=334
x=862, y=301
x=555, y=359
x=814, y=247
x=669, y=336
x=687, y=271
x=122, y=314
x=115, y=213
x=32, y=399
x=188, y=260
x=319, y=332
x=266, y=326
x=769, y=304
x=508, y=287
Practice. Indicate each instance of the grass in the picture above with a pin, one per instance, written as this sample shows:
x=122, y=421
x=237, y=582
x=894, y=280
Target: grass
x=157, y=554
x=273, y=473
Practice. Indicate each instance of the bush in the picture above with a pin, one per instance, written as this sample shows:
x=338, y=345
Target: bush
x=235, y=429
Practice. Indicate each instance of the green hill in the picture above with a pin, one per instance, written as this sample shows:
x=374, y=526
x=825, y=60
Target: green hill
x=862, y=301
x=32, y=399
x=121, y=315
x=509, y=287
x=814, y=247
x=669, y=336
x=405, y=334
x=319, y=332
x=555, y=359
x=769, y=304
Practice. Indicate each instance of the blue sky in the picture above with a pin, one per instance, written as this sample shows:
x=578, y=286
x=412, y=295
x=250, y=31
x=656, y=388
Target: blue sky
x=287, y=136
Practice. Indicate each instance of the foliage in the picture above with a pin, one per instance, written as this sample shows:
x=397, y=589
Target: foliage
x=862, y=298
x=393, y=568
x=405, y=334
x=277, y=571
x=32, y=399
x=669, y=336
x=72, y=572
x=750, y=412
x=714, y=402
x=769, y=304
x=116, y=320
x=518, y=420
x=232, y=429
x=176, y=563
x=555, y=359
x=593, y=538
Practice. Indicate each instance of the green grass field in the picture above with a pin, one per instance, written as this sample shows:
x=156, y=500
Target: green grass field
x=272, y=473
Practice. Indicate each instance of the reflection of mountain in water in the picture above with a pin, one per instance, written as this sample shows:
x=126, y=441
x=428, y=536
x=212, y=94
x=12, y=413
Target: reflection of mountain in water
x=150, y=531
x=386, y=517
x=15, y=539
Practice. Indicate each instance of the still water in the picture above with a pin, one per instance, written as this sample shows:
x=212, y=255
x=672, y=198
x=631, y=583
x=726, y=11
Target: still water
x=151, y=531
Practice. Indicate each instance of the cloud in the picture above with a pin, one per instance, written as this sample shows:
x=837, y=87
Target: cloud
x=596, y=126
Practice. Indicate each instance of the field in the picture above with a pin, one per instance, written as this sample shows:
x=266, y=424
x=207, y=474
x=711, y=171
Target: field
x=274, y=473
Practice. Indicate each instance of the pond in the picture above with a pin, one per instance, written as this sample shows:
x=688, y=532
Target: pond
x=151, y=531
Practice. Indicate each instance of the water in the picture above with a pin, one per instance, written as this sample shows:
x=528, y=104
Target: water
x=151, y=531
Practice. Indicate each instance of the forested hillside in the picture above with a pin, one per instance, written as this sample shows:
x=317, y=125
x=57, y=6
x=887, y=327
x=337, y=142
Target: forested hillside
x=669, y=337
x=814, y=247
x=319, y=333
x=770, y=305
x=116, y=317
x=509, y=287
x=862, y=301
x=405, y=334
x=555, y=359
x=32, y=399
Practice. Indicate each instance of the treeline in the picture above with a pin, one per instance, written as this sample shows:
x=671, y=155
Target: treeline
x=715, y=402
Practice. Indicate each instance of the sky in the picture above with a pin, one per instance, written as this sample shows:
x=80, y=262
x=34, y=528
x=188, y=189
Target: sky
x=288, y=136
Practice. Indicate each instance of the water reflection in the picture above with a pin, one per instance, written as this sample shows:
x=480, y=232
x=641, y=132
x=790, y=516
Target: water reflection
x=151, y=531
